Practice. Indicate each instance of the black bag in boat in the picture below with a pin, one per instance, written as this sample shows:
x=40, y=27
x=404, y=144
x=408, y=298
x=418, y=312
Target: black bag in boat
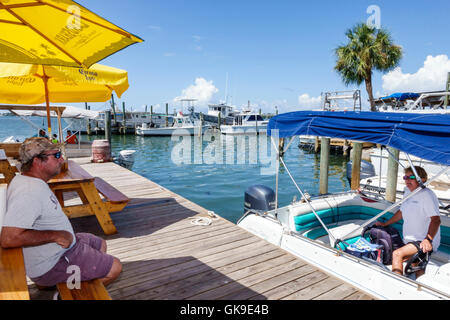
x=389, y=238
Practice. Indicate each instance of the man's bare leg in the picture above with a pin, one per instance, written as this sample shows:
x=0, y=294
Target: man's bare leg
x=400, y=255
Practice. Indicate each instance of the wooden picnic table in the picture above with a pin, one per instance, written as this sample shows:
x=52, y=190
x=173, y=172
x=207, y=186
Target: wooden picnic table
x=89, y=188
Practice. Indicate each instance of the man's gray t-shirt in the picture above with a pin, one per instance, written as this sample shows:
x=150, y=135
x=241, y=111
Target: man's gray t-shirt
x=32, y=205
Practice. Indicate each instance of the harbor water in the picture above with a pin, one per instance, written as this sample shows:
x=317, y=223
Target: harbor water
x=216, y=171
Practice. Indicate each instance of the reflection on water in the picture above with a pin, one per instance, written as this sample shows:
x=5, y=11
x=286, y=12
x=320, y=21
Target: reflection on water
x=217, y=177
x=219, y=185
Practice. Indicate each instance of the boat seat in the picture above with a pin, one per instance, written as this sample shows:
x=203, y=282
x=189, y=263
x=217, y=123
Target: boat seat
x=308, y=225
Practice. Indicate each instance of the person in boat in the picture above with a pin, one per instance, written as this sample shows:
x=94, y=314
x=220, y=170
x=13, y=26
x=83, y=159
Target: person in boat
x=55, y=138
x=41, y=133
x=421, y=221
x=71, y=138
x=50, y=246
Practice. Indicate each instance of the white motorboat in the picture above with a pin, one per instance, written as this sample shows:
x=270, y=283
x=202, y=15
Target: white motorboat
x=246, y=122
x=183, y=125
x=319, y=229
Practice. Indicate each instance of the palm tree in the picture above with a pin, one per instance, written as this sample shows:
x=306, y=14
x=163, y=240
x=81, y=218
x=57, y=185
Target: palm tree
x=367, y=49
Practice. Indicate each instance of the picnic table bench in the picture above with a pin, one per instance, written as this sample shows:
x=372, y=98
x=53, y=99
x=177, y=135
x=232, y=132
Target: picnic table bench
x=13, y=280
x=88, y=188
x=7, y=169
x=89, y=290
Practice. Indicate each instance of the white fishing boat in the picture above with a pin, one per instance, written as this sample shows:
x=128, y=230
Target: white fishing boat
x=133, y=119
x=222, y=110
x=246, y=122
x=182, y=125
x=378, y=181
x=424, y=102
x=319, y=229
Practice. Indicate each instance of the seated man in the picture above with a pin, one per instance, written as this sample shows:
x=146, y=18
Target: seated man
x=35, y=221
x=421, y=221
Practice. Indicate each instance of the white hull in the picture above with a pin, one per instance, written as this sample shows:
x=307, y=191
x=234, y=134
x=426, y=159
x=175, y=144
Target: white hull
x=374, y=279
x=175, y=131
x=243, y=129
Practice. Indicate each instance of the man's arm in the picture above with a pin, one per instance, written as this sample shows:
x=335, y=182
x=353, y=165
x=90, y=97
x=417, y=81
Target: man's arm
x=396, y=217
x=12, y=237
x=427, y=244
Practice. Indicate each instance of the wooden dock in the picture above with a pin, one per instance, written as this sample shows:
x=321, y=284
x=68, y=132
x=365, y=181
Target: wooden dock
x=165, y=256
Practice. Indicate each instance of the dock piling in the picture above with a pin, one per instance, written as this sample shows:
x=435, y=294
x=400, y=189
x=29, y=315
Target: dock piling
x=356, y=165
x=391, y=182
x=324, y=165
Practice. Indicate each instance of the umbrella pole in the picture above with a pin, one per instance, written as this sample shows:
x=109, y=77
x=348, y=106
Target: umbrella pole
x=47, y=103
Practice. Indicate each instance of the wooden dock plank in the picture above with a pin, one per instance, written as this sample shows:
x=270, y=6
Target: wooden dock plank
x=165, y=256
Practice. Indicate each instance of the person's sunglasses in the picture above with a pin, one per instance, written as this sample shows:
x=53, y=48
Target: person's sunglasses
x=412, y=177
x=57, y=155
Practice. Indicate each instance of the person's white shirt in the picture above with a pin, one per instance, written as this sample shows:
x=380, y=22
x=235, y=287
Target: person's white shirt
x=417, y=212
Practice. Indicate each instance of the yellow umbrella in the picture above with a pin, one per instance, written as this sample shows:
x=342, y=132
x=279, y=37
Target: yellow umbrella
x=34, y=84
x=57, y=32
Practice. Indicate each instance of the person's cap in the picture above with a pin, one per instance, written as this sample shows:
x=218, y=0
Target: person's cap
x=33, y=147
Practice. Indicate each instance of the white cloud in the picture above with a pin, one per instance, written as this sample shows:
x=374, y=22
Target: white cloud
x=170, y=54
x=307, y=102
x=202, y=90
x=431, y=77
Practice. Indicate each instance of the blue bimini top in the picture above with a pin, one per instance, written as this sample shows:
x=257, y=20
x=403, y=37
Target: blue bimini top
x=426, y=136
x=402, y=96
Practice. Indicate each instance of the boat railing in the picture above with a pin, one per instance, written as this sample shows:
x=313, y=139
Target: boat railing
x=419, y=102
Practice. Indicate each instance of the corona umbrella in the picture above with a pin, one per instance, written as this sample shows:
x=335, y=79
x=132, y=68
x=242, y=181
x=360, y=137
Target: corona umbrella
x=35, y=84
x=57, y=32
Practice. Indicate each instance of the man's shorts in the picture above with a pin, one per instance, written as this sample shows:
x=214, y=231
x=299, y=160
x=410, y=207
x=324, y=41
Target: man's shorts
x=85, y=255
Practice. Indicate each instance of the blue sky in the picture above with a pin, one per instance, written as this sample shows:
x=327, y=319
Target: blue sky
x=272, y=51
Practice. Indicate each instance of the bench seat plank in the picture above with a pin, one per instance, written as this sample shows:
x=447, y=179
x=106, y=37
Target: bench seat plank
x=90, y=290
x=13, y=281
x=109, y=192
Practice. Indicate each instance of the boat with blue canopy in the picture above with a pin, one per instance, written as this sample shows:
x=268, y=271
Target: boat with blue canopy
x=321, y=229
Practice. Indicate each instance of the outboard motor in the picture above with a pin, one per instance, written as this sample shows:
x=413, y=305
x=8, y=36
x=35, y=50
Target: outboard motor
x=259, y=198
x=367, y=170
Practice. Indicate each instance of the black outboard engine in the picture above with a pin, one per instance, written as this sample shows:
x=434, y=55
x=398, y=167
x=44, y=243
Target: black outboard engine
x=367, y=170
x=259, y=198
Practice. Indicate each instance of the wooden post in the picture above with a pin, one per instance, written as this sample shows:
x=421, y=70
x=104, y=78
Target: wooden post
x=219, y=120
x=345, y=148
x=392, y=172
x=124, y=124
x=324, y=165
x=448, y=90
x=316, y=145
x=356, y=165
x=108, y=125
x=167, y=114
x=201, y=125
x=88, y=122
x=281, y=147
x=151, y=114
x=113, y=107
